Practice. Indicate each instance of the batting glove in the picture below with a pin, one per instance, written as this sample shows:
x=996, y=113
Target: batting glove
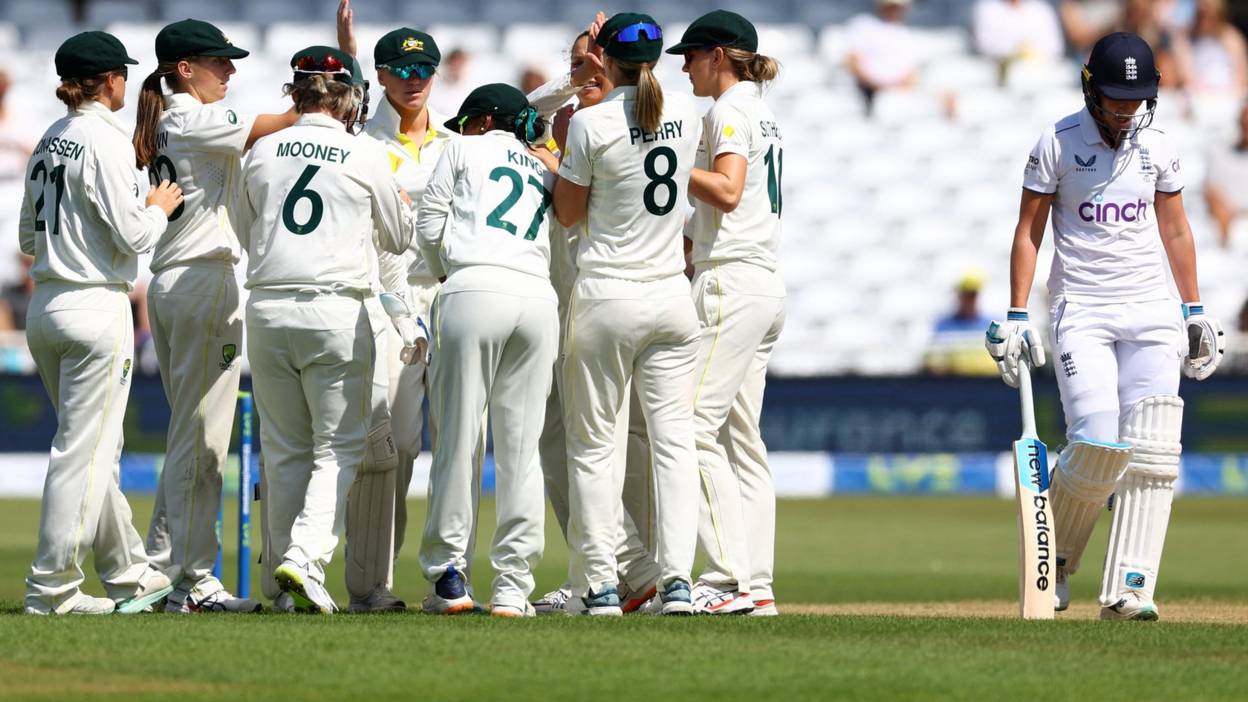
x=1007, y=342
x=1206, y=344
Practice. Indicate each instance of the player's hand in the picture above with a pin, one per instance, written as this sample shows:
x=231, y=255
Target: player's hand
x=548, y=159
x=559, y=127
x=590, y=67
x=415, y=339
x=1007, y=342
x=1206, y=343
x=167, y=196
x=407, y=199
x=594, y=28
x=346, y=27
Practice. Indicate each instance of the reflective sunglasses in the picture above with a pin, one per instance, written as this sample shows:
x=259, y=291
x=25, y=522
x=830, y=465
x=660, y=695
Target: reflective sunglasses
x=424, y=70
x=329, y=64
x=632, y=32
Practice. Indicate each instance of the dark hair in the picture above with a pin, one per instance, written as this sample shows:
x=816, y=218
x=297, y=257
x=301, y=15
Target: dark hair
x=74, y=92
x=151, y=104
x=527, y=126
x=583, y=35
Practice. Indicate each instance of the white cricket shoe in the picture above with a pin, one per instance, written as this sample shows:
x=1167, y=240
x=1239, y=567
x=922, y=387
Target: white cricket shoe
x=154, y=587
x=1131, y=607
x=379, y=600
x=80, y=603
x=1062, y=589
x=307, y=594
x=450, y=595
x=512, y=611
x=708, y=599
x=555, y=601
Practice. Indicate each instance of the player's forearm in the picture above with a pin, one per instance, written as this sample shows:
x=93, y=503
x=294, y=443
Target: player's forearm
x=571, y=202
x=715, y=189
x=1181, y=250
x=268, y=124
x=1022, y=267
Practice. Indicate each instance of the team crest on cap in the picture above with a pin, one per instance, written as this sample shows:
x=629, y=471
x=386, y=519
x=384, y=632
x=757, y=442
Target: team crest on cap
x=1132, y=71
x=411, y=44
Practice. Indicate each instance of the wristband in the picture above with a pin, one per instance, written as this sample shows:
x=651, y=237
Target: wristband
x=1016, y=314
x=1191, y=309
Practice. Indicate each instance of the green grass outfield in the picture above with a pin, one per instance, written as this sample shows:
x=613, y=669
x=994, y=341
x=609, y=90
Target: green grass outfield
x=842, y=556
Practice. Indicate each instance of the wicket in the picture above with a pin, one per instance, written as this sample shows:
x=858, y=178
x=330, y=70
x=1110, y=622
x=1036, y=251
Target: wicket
x=245, y=494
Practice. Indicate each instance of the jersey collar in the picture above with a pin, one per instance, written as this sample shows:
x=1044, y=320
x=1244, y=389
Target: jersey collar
x=623, y=92
x=97, y=109
x=1089, y=129
x=181, y=101
x=746, y=88
x=384, y=125
x=316, y=119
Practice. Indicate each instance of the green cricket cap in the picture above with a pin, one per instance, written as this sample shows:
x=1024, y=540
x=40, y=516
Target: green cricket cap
x=327, y=59
x=90, y=54
x=718, y=28
x=491, y=99
x=406, y=47
x=632, y=37
x=192, y=37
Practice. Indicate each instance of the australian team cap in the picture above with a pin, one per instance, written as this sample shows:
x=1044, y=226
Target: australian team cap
x=491, y=99
x=326, y=59
x=718, y=28
x=632, y=37
x=406, y=47
x=91, y=54
x=192, y=37
x=1121, y=67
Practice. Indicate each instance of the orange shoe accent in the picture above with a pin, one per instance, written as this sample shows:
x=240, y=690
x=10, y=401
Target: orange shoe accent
x=460, y=608
x=505, y=614
x=635, y=604
x=763, y=603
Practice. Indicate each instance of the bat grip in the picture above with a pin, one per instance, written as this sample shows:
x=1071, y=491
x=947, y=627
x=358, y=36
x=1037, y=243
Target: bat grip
x=1025, y=398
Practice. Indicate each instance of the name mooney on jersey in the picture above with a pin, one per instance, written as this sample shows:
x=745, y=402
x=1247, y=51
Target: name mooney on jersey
x=310, y=150
x=667, y=130
x=60, y=147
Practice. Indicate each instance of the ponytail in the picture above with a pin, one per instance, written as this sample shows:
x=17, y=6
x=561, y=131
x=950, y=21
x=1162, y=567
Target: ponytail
x=75, y=92
x=528, y=126
x=753, y=67
x=147, y=121
x=649, y=108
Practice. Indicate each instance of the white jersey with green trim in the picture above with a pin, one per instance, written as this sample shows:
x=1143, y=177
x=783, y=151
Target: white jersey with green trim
x=200, y=147
x=487, y=203
x=310, y=199
x=636, y=180
x=741, y=123
x=82, y=217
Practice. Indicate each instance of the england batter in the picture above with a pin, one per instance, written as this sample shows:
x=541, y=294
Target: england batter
x=483, y=225
x=311, y=198
x=193, y=302
x=1114, y=184
x=631, y=318
x=83, y=221
x=739, y=297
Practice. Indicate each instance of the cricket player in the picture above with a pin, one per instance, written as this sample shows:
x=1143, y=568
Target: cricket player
x=414, y=139
x=310, y=199
x=739, y=297
x=483, y=226
x=625, y=169
x=588, y=84
x=1114, y=184
x=193, y=302
x=83, y=221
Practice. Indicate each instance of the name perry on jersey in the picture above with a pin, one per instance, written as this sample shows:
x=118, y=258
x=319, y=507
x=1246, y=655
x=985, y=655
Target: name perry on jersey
x=667, y=130
x=520, y=159
x=309, y=150
x=60, y=147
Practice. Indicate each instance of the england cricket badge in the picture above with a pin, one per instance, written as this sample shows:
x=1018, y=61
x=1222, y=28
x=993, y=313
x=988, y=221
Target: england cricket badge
x=228, y=353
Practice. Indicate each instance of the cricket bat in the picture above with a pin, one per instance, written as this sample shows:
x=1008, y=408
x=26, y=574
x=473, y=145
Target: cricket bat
x=1037, y=567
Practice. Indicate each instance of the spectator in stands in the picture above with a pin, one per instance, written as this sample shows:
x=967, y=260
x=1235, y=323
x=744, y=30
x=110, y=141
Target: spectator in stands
x=956, y=347
x=15, y=142
x=1237, y=345
x=453, y=82
x=15, y=298
x=1225, y=191
x=882, y=50
x=1214, y=57
x=1085, y=21
x=1017, y=30
x=531, y=79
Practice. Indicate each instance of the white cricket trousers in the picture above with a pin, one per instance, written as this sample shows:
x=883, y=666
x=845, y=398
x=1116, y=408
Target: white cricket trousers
x=311, y=365
x=408, y=390
x=1109, y=356
x=197, y=329
x=82, y=340
x=647, y=333
x=496, y=333
x=741, y=311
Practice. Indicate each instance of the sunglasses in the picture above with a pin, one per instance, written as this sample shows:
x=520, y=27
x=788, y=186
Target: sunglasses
x=424, y=70
x=632, y=32
x=329, y=64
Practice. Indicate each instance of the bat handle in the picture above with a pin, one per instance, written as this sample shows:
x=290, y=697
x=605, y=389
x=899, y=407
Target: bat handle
x=1025, y=398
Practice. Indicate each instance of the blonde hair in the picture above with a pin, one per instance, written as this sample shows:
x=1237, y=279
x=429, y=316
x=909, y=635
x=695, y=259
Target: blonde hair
x=753, y=67
x=74, y=92
x=316, y=93
x=648, y=109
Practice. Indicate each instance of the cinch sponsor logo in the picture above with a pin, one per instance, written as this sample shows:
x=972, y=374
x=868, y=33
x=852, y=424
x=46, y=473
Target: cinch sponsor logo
x=1113, y=212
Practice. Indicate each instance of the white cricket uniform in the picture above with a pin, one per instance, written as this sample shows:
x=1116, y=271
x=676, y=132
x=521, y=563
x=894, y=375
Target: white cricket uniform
x=484, y=225
x=311, y=198
x=637, y=567
x=630, y=319
x=1119, y=340
x=197, y=330
x=739, y=298
x=1117, y=326
x=84, y=222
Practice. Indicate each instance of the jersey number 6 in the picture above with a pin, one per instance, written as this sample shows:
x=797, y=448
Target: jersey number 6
x=301, y=191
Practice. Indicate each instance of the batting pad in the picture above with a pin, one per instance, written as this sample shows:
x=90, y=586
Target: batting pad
x=370, y=532
x=1142, y=499
x=1082, y=482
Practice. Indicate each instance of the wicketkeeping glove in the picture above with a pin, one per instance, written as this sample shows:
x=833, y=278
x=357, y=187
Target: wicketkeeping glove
x=1007, y=342
x=1206, y=344
x=411, y=329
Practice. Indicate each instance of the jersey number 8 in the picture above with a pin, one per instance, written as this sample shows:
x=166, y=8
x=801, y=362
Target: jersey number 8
x=660, y=179
x=163, y=169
